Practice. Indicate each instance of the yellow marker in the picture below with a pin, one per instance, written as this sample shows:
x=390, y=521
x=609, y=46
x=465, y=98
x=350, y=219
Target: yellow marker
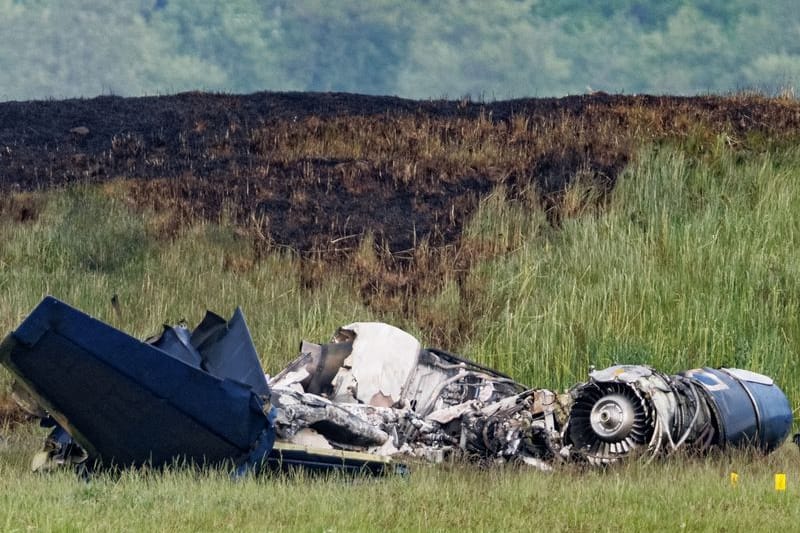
x=734, y=479
x=780, y=482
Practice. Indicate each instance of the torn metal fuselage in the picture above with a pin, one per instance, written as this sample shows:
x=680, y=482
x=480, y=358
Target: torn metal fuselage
x=197, y=397
x=374, y=388
x=129, y=403
x=371, y=394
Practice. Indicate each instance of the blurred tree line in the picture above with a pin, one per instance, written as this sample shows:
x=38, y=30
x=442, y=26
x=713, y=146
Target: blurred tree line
x=490, y=49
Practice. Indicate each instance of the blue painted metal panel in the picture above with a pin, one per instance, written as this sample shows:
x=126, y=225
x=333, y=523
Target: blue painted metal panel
x=772, y=409
x=752, y=412
x=228, y=351
x=176, y=341
x=128, y=402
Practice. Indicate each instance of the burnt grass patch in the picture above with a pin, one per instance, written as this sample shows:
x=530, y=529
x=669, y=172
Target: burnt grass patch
x=323, y=174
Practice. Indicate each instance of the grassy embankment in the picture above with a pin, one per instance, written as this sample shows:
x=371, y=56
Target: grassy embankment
x=693, y=260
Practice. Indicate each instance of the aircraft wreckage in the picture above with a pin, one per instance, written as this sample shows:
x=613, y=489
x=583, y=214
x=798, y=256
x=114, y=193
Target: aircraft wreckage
x=369, y=397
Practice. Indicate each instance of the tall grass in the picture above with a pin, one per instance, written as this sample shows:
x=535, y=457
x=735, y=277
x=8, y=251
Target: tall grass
x=692, y=261
x=87, y=246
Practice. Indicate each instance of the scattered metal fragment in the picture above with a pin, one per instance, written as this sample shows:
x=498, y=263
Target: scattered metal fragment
x=286, y=455
x=370, y=394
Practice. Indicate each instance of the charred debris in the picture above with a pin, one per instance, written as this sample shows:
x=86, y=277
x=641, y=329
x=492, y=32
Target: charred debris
x=372, y=399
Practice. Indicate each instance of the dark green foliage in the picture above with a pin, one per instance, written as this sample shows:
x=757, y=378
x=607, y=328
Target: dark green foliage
x=488, y=49
x=650, y=15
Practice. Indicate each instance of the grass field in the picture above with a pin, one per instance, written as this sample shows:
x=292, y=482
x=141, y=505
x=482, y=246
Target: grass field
x=672, y=494
x=692, y=260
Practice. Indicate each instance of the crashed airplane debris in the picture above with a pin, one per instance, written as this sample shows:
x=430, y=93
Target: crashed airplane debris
x=126, y=402
x=371, y=394
x=429, y=403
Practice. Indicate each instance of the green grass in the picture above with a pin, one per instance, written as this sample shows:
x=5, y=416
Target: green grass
x=85, y=256
x=692, y=260
x=689, y=494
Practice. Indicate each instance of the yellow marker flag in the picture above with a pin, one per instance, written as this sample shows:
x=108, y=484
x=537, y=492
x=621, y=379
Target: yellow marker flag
x=780, y=482
x=734, y=479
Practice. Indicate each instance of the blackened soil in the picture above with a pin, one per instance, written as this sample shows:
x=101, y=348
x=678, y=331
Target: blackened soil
x=199, y=153
x=319, y=172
